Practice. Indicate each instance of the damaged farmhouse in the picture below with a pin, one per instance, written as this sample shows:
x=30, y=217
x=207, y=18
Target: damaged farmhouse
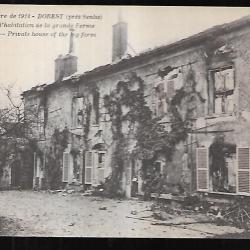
x=172, y=120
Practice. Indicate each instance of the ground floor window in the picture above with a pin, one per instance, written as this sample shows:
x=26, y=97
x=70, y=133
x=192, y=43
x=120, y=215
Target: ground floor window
x=223, y=167
x=158, y=166
x=95, y=167
x=101, y=158
x=72, y=167
x=77, y=168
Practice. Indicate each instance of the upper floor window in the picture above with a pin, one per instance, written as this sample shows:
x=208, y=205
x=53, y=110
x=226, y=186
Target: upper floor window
x=224, y=90
x=165, y=91
x=96, y=108
x=78, y=111
x=160, y=100
x=40, y=121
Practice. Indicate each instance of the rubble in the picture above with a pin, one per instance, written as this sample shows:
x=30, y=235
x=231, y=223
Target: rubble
x=174, y=210
x=50, y=222
x=214, y=209
x=235, y=212
x=102, y=208
x=133, y=212
x=181, y=223
x=162, y=216
x=87, y=193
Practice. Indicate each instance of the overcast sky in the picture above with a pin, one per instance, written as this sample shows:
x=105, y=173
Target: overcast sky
x=29, y=61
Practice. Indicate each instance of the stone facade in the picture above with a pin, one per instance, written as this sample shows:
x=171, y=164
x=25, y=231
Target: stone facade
x=196, y=65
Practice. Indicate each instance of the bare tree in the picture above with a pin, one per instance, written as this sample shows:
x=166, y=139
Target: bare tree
x=15, y=120
x=17, y=143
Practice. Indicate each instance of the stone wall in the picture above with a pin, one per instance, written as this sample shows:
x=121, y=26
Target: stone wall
x=182, y=168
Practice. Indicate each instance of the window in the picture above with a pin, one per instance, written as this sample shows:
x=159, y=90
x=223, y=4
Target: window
x=223, y=168
x=165, y=91
x=101, y=158
x=173, y=82
x=222, y=172
x=96, y=108
x=94, y=167
x=223, y=90
x=101, y=167
x=160, y=100
x=40, y=121
x=158, y=167
x=77, y=167
x=78, y=111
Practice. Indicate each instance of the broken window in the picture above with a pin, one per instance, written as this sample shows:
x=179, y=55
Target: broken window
x=40, y=121
x=165, y=90
x=78, y=111
x=160, y=100
x=76, y=167
x=223, y=168
x=96, y=107
x=222, y=174
x=224, y=90
x=173, y=82
x=217, y=167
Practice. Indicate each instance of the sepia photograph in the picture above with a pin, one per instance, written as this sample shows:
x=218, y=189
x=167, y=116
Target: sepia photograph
x=124, y=121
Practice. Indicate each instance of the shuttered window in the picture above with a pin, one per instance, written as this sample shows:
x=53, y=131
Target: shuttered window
x=65, y=174
x=88, y=167
x=243, y=177
x=202, y=168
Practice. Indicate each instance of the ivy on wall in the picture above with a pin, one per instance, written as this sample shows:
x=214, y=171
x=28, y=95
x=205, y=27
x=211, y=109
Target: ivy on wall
x=86, y=123
x=151, y=136
x=54, y=156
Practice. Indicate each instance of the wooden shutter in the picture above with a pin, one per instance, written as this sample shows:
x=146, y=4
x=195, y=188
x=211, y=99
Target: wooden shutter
x=88, y=167
x=81, y=167
x=101, y=170
x=65, y=174
x=202, y=167
x=95, y=169
x=243, y=178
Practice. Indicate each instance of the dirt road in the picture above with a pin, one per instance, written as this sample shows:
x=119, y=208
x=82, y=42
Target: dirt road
x=28, y=213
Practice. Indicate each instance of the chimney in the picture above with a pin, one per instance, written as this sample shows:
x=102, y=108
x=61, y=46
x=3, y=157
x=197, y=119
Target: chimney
x=66, y=65
x=120, y=31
